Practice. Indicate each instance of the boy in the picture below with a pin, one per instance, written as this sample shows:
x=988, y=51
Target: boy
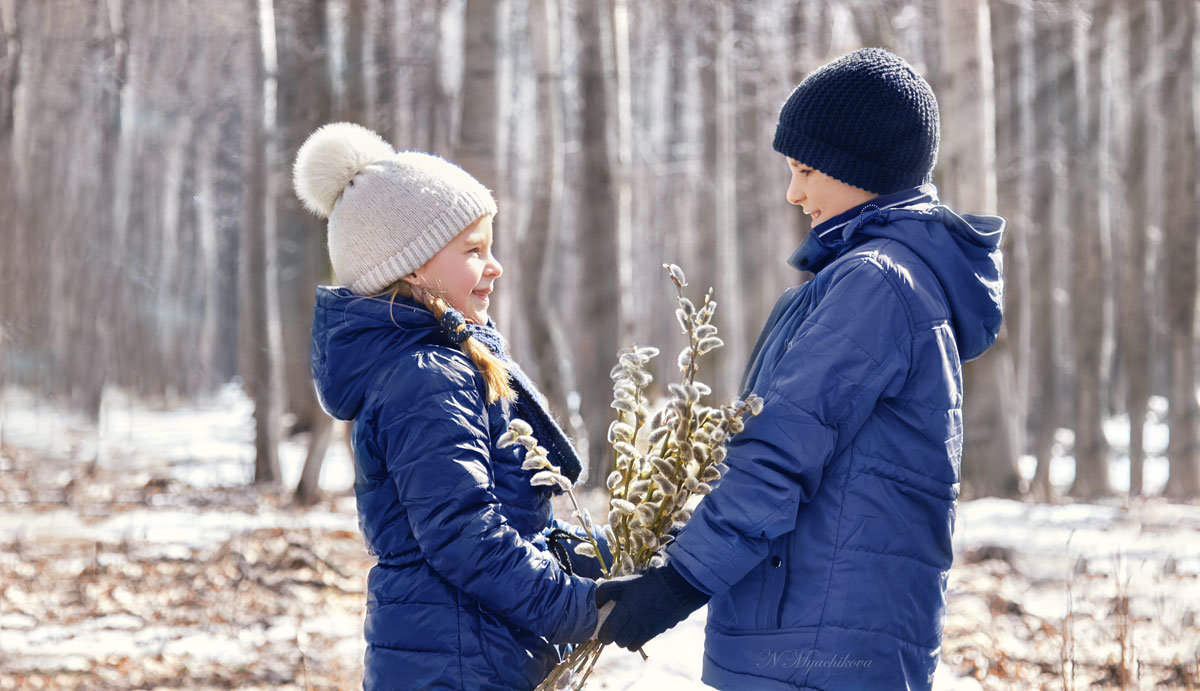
x=824, y=552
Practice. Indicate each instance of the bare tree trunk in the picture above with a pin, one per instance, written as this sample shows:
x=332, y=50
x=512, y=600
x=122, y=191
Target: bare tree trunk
x=552, y=366
x=261, y=299
x=308, y=489
x=1052, y=56
x=681, y=165
x=600, y=297
x=622, y=118
x=229, y=125
x=303, y=105
x=383, y=92
x=753, y=297
x=478, y=149
x=97, y=360
x=968, y=154
x=120, y=288
x=1088, y=264
x=1013, y=163
x=305, y=99
x=716, y=265
x=1142, y=160
x=348, y=89
x=1181, y=245
x=10, y=71
x=438, y=106
x=207, y=284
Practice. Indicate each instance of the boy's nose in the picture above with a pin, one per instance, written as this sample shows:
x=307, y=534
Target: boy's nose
x=795, y=191
x=794, y=195
x=494, y=267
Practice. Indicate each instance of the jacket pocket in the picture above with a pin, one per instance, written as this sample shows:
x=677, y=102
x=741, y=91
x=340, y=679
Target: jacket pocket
x=520, y=659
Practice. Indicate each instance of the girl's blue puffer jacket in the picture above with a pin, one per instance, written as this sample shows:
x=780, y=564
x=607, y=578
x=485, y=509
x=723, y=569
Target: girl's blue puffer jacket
x=464, y=594
x=827, y=544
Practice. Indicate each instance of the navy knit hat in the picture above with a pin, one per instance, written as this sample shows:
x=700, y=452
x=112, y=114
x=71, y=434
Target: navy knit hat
x=867, y=119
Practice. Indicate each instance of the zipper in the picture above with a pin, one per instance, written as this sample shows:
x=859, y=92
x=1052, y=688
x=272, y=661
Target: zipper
x=775, y=578
x=783, y=569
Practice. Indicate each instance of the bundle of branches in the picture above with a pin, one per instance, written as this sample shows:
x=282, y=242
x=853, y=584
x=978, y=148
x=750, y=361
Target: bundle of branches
x=663, y=460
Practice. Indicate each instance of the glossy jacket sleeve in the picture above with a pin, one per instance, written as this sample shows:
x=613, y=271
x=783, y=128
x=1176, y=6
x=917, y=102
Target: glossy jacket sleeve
x=438, y=455
x=846, y=355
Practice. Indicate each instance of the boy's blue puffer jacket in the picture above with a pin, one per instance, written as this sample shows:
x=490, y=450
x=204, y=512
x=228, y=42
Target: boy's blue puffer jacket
x=464, y=594
x=827, y=544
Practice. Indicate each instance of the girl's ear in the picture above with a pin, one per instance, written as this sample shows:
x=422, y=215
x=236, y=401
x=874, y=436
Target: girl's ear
x=418, y=284
x=416, y=280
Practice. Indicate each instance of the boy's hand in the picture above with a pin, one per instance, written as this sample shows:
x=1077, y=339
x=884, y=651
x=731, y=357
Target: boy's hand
x=646, y=605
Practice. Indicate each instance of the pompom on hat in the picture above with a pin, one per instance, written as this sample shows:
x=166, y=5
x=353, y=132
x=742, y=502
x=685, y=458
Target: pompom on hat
x=388, y=212
x=867, y=119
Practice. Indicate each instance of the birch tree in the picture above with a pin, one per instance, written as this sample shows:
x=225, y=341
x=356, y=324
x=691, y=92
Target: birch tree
x=260, y=298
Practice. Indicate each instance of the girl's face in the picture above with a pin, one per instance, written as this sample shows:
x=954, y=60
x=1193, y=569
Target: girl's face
x=463, y=271
x=821, y=196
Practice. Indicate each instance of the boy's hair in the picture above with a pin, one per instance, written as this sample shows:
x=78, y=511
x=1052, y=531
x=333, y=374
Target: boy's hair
x=867, y=119
x=494, y=370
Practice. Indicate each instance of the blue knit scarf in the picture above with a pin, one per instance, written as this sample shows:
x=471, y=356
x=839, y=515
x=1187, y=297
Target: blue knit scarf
x=531, y=404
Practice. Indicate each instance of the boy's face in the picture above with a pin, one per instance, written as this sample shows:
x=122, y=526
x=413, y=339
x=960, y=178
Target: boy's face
x=821, y=196
x=464, y=270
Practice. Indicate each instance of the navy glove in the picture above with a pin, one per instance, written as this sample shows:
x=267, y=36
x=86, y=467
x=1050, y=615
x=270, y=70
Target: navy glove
x=646, y=605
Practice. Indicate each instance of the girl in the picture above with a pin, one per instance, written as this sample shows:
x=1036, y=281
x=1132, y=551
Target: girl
x=464, y=594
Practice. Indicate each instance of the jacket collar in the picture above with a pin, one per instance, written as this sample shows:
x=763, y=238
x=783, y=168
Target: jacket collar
x=829, y=236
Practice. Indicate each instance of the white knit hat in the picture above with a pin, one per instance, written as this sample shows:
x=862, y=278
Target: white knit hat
x=388, y=212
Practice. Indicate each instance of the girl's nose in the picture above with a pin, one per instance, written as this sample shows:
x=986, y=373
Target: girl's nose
x=493, y=267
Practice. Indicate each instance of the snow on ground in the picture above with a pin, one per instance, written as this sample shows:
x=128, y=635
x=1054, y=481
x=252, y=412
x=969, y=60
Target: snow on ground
x=207, y=445
x=133, y=553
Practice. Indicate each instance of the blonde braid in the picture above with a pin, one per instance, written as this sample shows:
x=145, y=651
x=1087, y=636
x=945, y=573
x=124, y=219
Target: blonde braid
x=494, y=370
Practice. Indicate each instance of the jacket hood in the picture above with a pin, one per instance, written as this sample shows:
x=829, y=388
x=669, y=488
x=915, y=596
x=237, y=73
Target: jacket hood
x=962, y=251
x=354, y=336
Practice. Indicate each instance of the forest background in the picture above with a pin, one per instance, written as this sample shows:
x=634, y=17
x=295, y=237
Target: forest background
x=153, y=245
x=156, y=406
